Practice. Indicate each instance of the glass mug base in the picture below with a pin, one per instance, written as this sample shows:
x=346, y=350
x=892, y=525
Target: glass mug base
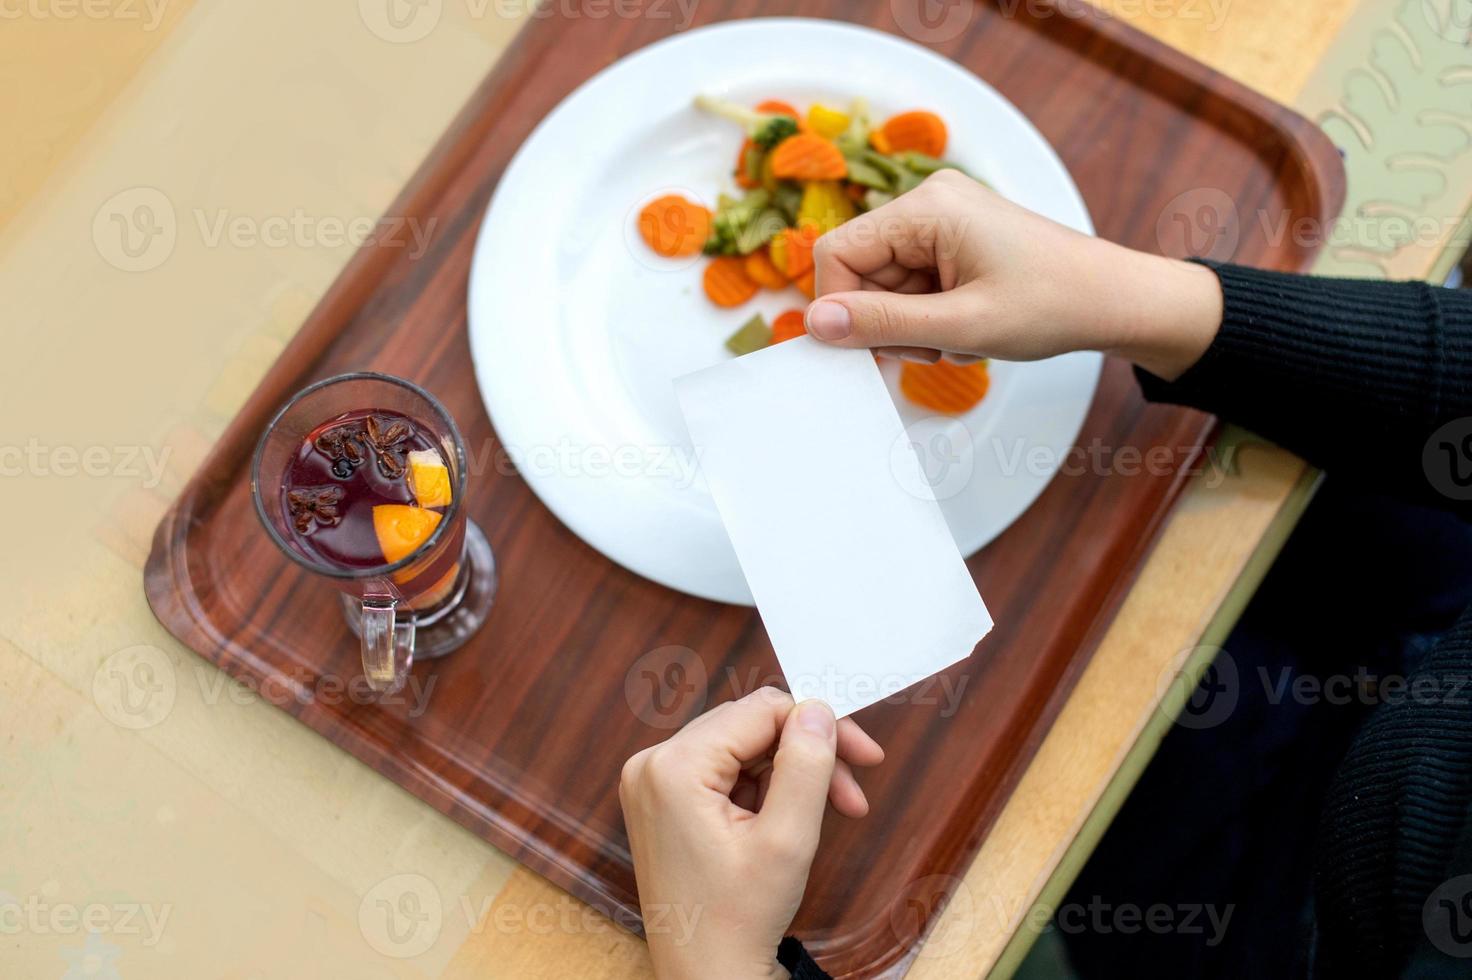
x=449, y=623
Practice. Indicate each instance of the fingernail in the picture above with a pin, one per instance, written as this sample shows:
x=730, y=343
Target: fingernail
x=816, y=717
x=829, y=321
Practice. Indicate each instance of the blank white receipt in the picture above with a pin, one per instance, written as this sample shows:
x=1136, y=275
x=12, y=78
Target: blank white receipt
x=854, y=571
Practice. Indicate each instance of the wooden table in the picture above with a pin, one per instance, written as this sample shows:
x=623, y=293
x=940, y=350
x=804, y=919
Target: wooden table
x=198, y=828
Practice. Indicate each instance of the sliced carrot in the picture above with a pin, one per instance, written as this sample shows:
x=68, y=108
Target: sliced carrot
x=674, y=226
x=944, y=386
x=922, y=131
x=726, y=281
x=808, y=157
x=759, y=267
x=780, y=108
x=808, y=283
x=743, y=177
x=792, y=250
x=788, y=325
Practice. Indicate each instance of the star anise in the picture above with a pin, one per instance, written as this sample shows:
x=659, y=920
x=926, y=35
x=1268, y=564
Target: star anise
x=309, y=505
x=387, y=438
x=342, y=444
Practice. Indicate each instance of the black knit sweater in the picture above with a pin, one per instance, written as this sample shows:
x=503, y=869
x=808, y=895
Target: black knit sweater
x=1371, y=381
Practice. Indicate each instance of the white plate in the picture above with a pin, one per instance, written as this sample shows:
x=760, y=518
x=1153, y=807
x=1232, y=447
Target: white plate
x=577, y=329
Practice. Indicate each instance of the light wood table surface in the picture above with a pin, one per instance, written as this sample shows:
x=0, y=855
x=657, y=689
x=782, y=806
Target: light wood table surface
x=197, y=829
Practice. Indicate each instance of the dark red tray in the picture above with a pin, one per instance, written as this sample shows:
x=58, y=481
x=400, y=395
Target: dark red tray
x=527, y=727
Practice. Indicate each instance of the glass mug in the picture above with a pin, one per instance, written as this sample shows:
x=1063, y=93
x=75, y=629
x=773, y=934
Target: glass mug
x=361, y=479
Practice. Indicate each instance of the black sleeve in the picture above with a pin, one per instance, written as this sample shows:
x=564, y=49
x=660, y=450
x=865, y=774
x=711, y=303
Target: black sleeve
x=1394, y=863
x=1356, y=376
x=796, y=961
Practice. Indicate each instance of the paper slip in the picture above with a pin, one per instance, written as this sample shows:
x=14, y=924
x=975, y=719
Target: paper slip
x=848, y=556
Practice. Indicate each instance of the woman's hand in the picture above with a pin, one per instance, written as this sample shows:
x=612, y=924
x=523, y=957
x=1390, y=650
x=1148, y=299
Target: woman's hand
x=953, y=267
x=723, y=821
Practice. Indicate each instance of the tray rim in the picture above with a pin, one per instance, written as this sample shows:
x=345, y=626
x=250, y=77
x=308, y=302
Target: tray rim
x=166, y=578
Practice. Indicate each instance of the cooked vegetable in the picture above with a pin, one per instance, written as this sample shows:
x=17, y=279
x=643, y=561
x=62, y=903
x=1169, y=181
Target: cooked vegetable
x=919, y=130
x=792, y=251
x=804, y=175
x=944, y=386
x=787, y=198
x=749, y=157
x=788, y=325
x=726, y=282
x=741, y=225
x=907, y=180
x=923, y=163
x=751, y=336
x=673, y=226
x=855, y=139
x=777, y=107
x=825, y=206
x=808, y=157
x=758, y=265
x=861, y=171
x=889, y=166
x=827, y=122
x=765, y=129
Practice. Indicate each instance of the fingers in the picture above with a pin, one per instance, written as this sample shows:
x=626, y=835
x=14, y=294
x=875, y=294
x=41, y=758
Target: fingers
x=887, y=243
x=748, y=727
x=940, y=321
x=717, y=751
x=856, y=746
x=731, y=734
x=845, y=793
x=898, y=279
x=802, y=771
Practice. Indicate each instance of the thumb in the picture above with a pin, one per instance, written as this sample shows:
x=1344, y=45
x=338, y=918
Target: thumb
x=797, y=790
x=881, y=319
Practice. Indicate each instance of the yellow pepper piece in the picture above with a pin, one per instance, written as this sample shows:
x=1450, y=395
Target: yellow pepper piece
x=824, y=205
x=768, y=179
x=827, y=122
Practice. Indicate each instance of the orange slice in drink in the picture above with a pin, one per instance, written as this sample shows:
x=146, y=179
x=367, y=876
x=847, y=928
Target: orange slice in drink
x=429, y=478
x=402, y=528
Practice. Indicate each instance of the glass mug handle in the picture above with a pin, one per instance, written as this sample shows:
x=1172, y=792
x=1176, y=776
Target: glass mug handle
x=387, y=640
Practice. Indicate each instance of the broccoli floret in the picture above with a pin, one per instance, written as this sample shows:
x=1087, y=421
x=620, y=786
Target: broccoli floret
x=766, y=129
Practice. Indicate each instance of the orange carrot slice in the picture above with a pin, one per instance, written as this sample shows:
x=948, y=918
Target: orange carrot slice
x=792, y=250
x=944, y=386
x=808, y=283
x=808, y=157
x=788, y=325
x=726, y=281
x=924, y=132
x=674, y=226
x=760, y=268
x=743, y=178
x=780, y=108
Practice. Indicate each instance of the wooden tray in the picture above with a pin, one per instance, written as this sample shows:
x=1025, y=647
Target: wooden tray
x=527, y=727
